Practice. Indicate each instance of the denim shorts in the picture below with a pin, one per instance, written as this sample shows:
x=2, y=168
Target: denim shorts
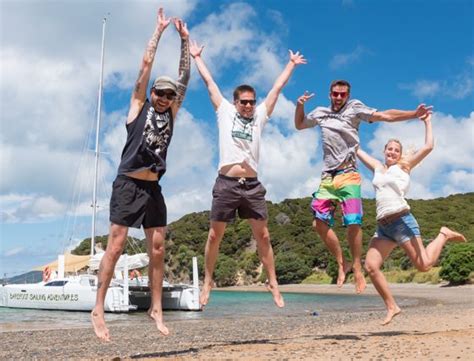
x=400, y=230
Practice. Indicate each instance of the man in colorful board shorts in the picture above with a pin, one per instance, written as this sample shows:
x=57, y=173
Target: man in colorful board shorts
x=340, y=179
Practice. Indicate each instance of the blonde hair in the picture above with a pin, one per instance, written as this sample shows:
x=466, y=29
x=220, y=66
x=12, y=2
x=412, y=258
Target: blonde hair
x=403, y=162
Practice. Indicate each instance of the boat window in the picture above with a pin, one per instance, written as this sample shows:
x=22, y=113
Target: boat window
x=56, y=283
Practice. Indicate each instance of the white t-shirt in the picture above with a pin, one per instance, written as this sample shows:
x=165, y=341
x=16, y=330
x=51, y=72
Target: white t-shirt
x=239, y=138
x=391, y=186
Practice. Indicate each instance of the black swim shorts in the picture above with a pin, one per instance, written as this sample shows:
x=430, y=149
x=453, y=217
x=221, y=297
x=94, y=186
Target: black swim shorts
x=135, y=203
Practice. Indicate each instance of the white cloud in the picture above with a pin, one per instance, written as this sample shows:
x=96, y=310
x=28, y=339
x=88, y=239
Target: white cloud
x=448, y=167
x=49, y=91
x=31, y=208
x=458, y=86
x=342, y=60
x=423, y=88
x=14, y=251
x=190, y=172
x=287, y=161
x=232, y=36
x=284, y=113
x=461, y=87
x=461, y=181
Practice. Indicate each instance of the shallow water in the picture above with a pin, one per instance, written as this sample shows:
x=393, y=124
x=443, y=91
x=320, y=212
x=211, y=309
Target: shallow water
x=223, y=304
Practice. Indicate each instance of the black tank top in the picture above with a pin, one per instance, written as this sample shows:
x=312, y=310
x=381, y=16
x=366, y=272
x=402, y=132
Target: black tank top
x=148, y=138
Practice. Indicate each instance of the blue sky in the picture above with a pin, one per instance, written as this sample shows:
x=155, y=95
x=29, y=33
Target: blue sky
x=396, y=54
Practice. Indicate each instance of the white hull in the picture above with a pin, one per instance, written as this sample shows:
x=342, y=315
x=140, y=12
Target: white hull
x=70, y=294
x=78, y=294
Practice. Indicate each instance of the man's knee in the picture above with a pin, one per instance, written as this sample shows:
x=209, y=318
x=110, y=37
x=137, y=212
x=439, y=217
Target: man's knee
x=354, y=229
x=263, y=236
x=117, y=240
x=157, y=249
x=213, y=238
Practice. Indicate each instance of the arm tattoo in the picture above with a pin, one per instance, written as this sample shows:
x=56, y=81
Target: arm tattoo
x=138, y=82
x=148, y=58
x=152, y=45
x=184, y=71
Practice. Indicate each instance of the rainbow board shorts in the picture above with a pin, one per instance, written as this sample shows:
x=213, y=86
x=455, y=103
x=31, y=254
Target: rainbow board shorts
x=341, y=186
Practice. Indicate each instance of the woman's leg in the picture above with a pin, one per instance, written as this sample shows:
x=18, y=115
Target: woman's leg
x=424, y=258
x=378, y=252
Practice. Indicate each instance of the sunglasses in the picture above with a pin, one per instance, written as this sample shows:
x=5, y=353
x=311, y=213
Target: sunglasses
x=338, y=94
x=162, y=94
x=249, y=101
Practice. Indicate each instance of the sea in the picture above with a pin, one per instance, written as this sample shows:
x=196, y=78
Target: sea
x=222, y=305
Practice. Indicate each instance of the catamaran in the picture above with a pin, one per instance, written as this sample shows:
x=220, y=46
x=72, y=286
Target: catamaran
x=78, y=292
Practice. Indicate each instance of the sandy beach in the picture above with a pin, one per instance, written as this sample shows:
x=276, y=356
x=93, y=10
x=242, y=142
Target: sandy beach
x=439, y=326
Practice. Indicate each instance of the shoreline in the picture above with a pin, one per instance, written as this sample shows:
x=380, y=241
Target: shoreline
x=441, y=326
x=429, y=293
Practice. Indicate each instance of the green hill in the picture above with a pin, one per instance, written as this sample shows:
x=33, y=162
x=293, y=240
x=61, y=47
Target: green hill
x=293, y=239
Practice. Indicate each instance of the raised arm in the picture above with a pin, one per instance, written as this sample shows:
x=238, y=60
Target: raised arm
x=212, y=88
x=272, y=96
x=427, y=147
x=139, y=91
x=299, y=110
x=395, y=115
x=369, y=161
x=184, y=70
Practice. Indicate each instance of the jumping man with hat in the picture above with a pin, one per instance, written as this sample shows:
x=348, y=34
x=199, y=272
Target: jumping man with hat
x=136, y=196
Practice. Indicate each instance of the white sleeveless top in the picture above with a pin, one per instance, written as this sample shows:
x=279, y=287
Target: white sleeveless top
x=391, y=186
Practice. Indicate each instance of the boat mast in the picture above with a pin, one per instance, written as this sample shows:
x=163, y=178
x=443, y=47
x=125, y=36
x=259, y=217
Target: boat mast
x=99, y=110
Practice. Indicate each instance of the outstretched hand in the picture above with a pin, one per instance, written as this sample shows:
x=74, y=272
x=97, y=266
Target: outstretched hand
x=305, y=97
x=181, y=27
x=162, y=22
x=426, y=117
x=423, y=110
x=297, y=58
x=195, y=49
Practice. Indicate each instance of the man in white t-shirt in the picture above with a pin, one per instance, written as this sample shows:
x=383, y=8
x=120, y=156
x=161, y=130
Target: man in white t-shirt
x=237, y=187
x=340, y=179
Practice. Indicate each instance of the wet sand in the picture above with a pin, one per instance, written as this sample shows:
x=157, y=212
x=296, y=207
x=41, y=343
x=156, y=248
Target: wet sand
x=440, y=326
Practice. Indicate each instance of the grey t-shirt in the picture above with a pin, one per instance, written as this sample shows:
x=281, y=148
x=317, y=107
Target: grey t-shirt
x=340, y=132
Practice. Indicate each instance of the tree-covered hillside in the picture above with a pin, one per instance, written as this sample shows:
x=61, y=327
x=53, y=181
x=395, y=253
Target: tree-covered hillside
x=296, y=246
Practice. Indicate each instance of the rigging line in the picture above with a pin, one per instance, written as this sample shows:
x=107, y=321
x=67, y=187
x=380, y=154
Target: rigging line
x=82, y=176
x=70, y=216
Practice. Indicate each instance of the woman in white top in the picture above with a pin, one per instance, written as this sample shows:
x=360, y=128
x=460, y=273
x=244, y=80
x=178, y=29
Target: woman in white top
x=395, y=223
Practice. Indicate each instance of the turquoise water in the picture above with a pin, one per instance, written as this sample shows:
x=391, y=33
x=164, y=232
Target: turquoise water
x=223, y=304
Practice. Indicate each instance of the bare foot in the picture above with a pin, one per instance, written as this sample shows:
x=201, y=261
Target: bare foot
x=98, y=322
x=451, y=235
x=341, y=277
x=157, y=316
x=360, y=283
x=277, y=297
x=205, y=292
x=391, y=313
